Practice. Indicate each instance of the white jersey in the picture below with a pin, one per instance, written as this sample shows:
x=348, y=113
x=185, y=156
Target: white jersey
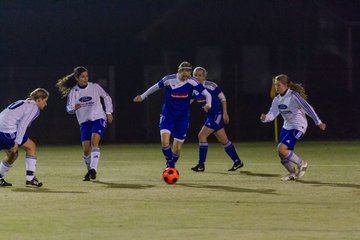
x=89, y=98
x=17, y=117
x=292, y=108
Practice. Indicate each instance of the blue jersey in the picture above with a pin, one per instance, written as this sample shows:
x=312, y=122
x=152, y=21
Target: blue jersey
x=214, y=90
x=178, y=94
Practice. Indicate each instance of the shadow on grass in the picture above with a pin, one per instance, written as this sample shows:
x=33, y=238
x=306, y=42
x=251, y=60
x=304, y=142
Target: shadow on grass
x=247, y=173
x=260, y=174
x=124, y=185
x=321, y=184
x=43, y=190
x=229, y=189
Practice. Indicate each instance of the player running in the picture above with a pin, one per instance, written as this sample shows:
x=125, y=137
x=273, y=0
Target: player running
x=174, y=119
x=84, y=100
x=291, y=104
x=14, y=121
x=216, y=117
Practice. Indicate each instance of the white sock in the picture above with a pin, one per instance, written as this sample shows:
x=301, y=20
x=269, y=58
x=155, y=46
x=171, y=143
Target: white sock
x=4, y=168
x=87, y=160
x=30, y=167
x=292, y=157
x=95, y=158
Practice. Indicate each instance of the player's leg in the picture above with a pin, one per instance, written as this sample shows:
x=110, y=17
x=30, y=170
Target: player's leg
x=229, y=149
x=204, y=133
x=165, y=145
x=179, y=133
x=97, y=131
x=5, y=166
x=30, y=159
x=166, y=125
x=177, y=146
x=287, y=141
x=85, y=131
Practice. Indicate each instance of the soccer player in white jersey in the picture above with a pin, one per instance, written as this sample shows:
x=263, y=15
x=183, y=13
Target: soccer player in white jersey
x=174, y=119
x=216, y=117
x=14, y=120
x=84, y=100
x=292, y=105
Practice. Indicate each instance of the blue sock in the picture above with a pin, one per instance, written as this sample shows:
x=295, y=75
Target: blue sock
x=173, y=161
x=230, y=150
x=167, y=153
x=203, y=148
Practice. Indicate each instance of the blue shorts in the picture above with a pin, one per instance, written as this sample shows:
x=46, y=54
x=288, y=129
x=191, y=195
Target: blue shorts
x=176, y=126
x=290, y=137
x=7, y=140
x=215, y=122
x=87, y=128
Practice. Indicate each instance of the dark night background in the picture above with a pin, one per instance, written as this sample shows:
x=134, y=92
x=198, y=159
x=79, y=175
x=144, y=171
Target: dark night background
x=129, y=45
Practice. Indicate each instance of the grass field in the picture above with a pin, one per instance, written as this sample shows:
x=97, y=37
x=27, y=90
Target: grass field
x=129, y=200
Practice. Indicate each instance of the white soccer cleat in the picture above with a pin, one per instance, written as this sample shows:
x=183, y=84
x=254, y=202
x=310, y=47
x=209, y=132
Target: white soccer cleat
x=289, y=177
x=302, y=170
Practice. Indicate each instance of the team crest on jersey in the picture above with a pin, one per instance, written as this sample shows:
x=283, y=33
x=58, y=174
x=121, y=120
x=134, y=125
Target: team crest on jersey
x=282, y=106
x=85, y=99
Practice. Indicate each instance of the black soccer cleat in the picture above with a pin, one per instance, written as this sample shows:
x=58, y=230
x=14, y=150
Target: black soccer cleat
x=86, y=177
x=237, y=165
x=92, y=173
x=4, y=183
x=33, y=183
x=198, y=168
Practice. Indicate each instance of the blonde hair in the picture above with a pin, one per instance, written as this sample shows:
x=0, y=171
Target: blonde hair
x=41, y=93
x=66, y=83
x=284, y=79
x=202, y=69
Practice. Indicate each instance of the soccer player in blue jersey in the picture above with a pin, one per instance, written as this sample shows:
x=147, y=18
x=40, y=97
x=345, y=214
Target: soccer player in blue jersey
x=292, y=105
x=174, y=119
x=216, y=117
x=14, y=120
x=84, y=100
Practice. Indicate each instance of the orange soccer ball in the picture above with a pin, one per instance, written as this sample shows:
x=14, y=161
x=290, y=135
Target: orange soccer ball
x=171, y=175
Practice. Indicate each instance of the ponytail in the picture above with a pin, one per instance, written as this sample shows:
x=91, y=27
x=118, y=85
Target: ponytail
x=298, y=88
x=66, y=83
x=293, y=86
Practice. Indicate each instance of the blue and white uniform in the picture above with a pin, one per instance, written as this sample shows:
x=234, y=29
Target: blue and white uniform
x=14, y=120
x=90, y=115
x=176, y=109
x=293, y=108
x=214, y=117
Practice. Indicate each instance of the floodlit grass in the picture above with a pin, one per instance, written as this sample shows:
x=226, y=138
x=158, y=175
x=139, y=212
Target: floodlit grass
x=129, y=200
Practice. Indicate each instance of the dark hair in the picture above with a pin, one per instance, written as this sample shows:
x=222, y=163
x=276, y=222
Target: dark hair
x=66, y=83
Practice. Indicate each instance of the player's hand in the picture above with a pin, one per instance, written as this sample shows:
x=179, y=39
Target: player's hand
x=226, y=118
x=322, y=126
x=15, y=148
x=262, y=117
x=77, y=106
x=138, y=98
x=206, y=108
x=109, y=118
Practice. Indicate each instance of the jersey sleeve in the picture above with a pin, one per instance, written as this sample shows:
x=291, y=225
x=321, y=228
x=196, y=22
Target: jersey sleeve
x=273, y=112
x=107, y=99
x=31, y=113
x=309, y=110
x=70, y=102
x=151, y=90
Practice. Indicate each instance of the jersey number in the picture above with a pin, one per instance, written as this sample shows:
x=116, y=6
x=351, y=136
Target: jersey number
x=15, y=105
